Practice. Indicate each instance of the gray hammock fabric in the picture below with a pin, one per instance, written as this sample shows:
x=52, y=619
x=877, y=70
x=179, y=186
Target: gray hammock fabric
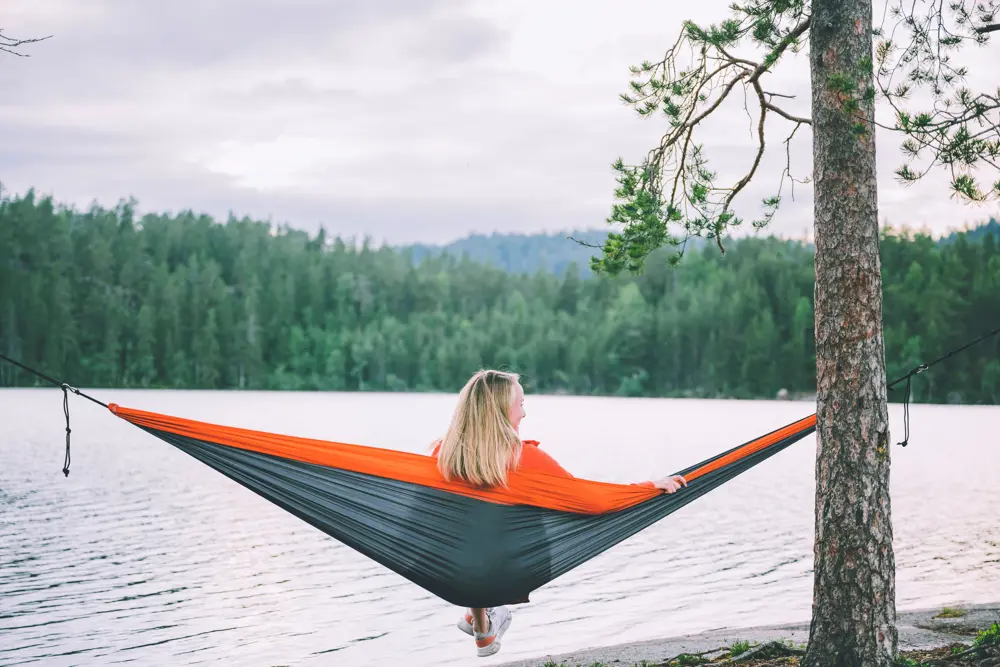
x=467, y=551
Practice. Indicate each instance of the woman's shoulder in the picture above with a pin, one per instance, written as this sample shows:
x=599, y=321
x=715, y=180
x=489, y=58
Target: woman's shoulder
x=536, y=459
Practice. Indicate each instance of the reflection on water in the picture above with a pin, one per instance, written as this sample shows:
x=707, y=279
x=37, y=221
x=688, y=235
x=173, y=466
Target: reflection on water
x=144, y=555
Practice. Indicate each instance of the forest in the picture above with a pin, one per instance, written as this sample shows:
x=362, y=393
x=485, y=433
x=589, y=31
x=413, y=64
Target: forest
x=105, y=298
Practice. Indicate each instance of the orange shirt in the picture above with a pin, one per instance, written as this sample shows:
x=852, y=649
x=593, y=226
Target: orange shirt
x=534, y=459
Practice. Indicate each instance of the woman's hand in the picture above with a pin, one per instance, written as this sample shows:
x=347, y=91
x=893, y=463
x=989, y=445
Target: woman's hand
x=670, y=484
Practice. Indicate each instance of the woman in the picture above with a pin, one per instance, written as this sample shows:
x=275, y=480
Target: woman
x=482, y=445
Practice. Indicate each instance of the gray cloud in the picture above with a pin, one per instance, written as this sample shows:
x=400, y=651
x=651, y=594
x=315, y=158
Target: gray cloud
x=398, y=119
x=182, y=34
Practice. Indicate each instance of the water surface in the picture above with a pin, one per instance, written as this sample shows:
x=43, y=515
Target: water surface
x=145, y=555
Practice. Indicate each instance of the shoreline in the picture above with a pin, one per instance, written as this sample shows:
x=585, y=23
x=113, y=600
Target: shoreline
x=919, y=629
x=807, y=398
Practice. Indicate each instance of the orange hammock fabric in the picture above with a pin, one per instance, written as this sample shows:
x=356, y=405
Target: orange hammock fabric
x=524, y=487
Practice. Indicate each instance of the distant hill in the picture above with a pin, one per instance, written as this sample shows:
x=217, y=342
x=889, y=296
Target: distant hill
x=991, y=228
x=530, y=253
x=521, y=253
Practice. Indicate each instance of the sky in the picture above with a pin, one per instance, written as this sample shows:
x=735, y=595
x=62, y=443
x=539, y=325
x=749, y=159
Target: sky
x=401, y=120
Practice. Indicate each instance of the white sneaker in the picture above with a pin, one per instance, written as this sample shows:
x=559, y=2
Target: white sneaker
x=465, y=623
x=488, y=643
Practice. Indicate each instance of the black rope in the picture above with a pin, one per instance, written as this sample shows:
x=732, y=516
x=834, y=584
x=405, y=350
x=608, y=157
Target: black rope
x=920, y=369
x=906, y=410
x=923, y=367
x=53, y=381
x=66, y=389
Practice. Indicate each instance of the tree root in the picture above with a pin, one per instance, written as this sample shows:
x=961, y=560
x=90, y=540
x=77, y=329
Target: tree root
x=769, y=650
x=684, y=659
x=989, y=652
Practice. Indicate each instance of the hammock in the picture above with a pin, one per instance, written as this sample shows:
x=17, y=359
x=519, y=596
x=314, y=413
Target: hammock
x=471, y=546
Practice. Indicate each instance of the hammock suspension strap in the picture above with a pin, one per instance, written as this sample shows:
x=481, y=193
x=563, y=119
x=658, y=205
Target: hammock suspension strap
x=916, y=370
x=66, y=388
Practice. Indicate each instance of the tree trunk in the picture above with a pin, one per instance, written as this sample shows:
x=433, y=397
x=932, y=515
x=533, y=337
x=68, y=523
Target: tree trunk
x=854, y=613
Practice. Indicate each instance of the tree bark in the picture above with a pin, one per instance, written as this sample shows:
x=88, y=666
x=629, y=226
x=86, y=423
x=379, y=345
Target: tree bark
x=854, y=613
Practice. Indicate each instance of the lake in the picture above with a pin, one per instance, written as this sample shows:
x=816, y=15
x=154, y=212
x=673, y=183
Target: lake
x=145, y=555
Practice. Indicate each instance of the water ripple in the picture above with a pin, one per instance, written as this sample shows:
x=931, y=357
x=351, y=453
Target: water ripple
x=144, y=555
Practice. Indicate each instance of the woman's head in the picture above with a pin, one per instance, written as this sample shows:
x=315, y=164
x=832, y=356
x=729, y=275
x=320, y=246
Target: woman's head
x=482, y=443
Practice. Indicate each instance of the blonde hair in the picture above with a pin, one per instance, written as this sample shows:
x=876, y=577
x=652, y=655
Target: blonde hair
x=481, y=446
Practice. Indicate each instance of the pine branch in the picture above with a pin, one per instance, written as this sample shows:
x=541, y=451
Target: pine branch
x=583, y=243
x=958, y=131
x=725, y=93
x=673, y=186
x=789, y=39
x=9, y=44
x=785, y=114
x=742, y=183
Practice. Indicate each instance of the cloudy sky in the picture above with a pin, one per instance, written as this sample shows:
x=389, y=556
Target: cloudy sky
x=405, y=120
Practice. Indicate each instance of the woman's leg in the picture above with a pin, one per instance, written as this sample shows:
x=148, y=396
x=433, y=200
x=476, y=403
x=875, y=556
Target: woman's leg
x=479, y=622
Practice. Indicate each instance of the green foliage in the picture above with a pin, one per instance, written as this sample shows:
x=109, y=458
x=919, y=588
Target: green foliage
x=183, y=301
x=672, y=194
x=988, y=637
x=856, y=94
x=842, y=83
x=949, y=612
x=687, y=659
x=958, y=129
x=739, y=648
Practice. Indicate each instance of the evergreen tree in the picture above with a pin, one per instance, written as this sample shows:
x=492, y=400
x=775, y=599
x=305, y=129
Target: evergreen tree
x=180, y=301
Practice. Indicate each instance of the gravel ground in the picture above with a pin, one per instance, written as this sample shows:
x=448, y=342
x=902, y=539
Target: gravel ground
x=919, y=630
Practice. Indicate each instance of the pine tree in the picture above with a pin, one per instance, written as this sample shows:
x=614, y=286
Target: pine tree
x=673, y=194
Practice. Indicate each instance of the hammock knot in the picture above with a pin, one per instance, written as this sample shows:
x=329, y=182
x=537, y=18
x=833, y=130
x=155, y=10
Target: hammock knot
x=66, y=389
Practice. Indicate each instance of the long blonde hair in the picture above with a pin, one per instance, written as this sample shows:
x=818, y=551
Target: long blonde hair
x=481, y=446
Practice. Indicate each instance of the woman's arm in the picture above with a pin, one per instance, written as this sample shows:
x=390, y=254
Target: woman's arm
x=534, y=458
